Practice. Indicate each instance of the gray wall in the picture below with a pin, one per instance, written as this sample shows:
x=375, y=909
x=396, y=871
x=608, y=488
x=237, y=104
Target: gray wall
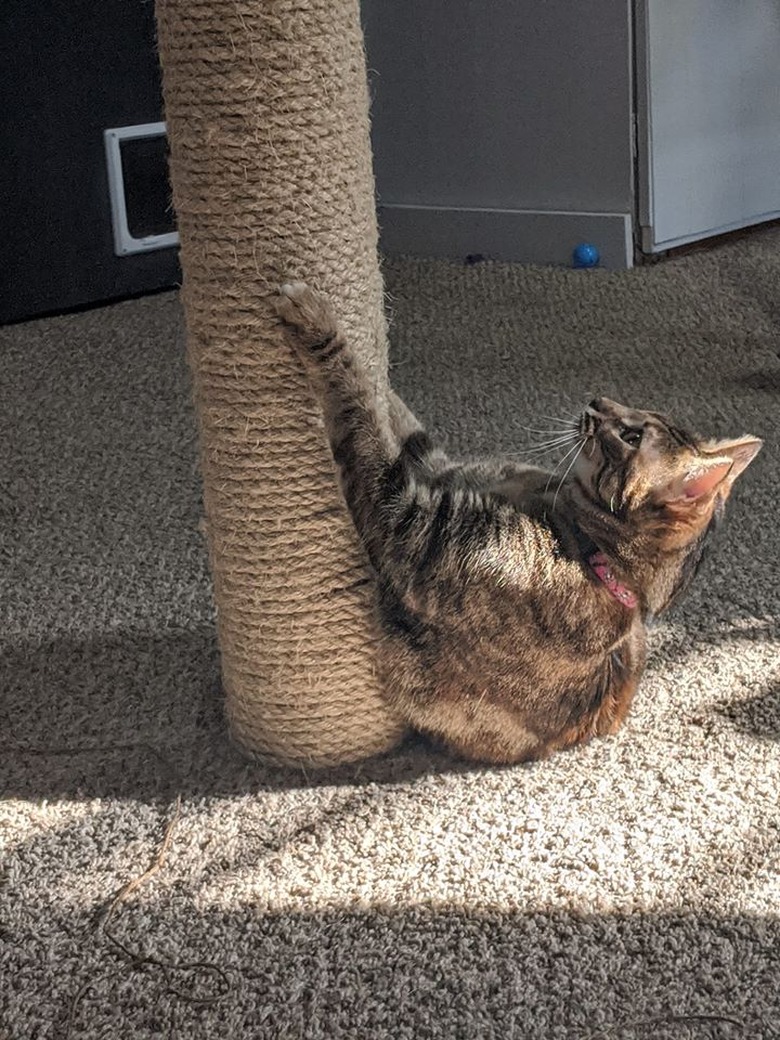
x=509, y=105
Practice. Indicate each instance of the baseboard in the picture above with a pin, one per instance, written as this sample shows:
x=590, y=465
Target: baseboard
x=525, y=236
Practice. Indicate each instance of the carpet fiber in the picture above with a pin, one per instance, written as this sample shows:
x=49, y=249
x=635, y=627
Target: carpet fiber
x=622, y=890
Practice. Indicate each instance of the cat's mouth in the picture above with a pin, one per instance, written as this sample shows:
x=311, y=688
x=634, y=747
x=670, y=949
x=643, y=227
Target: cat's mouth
x=592, y=416
x=587, y=427
x=588, y=457
x=587, y=431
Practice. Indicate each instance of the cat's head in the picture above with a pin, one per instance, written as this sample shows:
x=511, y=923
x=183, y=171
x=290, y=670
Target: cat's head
x=645, y=469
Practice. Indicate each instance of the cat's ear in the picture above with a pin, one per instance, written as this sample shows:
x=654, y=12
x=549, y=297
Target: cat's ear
x=715, y=470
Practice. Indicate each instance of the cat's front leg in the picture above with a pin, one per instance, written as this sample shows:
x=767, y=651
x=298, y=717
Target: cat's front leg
x=403, y=422
x=359, y=441
x=317, y=336
x=612, y=713
x=623, y=672
x=627, y=664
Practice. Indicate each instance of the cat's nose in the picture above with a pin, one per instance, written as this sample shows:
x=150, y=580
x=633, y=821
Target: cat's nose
x=590, y=419
x=605, y=408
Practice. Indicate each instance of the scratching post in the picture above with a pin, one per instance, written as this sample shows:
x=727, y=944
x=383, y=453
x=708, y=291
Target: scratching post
x=267, y=112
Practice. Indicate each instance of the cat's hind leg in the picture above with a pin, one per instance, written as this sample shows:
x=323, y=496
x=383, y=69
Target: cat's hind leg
x=402, y=420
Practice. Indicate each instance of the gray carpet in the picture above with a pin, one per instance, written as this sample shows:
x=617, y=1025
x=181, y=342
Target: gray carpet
x=634, y=880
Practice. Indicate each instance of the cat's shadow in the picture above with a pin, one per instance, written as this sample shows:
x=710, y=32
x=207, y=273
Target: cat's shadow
x=141, y=716
x=764, y=380
x=759, y=716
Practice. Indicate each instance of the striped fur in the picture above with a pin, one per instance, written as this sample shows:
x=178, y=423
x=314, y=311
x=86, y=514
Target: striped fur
x=497, y=637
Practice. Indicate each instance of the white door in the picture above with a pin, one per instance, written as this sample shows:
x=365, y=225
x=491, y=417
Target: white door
x=708, y=111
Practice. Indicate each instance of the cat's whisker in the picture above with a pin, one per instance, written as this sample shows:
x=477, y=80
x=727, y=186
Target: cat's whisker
x=556, y=442
x=562, y=422
x=540, y=450
x=558, y=464
x=547, y=449
x=568, y=471
x=549, y=433
x=532, y=455
x=559, y=438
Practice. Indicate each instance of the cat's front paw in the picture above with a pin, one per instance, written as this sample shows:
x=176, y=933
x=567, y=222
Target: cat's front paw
x=295, y=290
x=308, y=313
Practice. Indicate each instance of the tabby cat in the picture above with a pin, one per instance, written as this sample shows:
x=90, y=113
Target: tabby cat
x=513, y=610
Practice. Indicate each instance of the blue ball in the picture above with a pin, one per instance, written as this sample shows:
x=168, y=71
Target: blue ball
x=585, y=255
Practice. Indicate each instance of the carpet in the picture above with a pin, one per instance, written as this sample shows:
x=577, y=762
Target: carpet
x=625, y=889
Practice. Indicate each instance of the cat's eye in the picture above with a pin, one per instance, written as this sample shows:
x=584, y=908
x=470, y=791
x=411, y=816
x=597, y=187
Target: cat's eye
x=631, y=436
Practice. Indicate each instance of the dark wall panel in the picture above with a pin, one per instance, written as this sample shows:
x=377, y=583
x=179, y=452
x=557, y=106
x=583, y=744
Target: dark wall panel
x=70, y=69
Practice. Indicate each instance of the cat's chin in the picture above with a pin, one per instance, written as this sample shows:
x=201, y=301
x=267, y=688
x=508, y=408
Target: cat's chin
x=583, y=474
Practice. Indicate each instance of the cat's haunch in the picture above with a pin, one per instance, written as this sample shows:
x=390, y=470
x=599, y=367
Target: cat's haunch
x=512, y=603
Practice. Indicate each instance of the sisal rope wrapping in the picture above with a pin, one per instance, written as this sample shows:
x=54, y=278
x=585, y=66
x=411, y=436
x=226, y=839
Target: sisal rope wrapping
x=267, y=110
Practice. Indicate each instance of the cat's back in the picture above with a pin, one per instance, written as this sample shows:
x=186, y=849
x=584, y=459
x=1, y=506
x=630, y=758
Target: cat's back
x=491, y=569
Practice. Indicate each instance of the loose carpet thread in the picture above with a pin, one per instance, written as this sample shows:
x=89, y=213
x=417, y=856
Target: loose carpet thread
x=196, y=972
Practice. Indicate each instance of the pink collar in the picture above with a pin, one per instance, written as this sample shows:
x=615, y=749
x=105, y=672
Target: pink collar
x=602, y=568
